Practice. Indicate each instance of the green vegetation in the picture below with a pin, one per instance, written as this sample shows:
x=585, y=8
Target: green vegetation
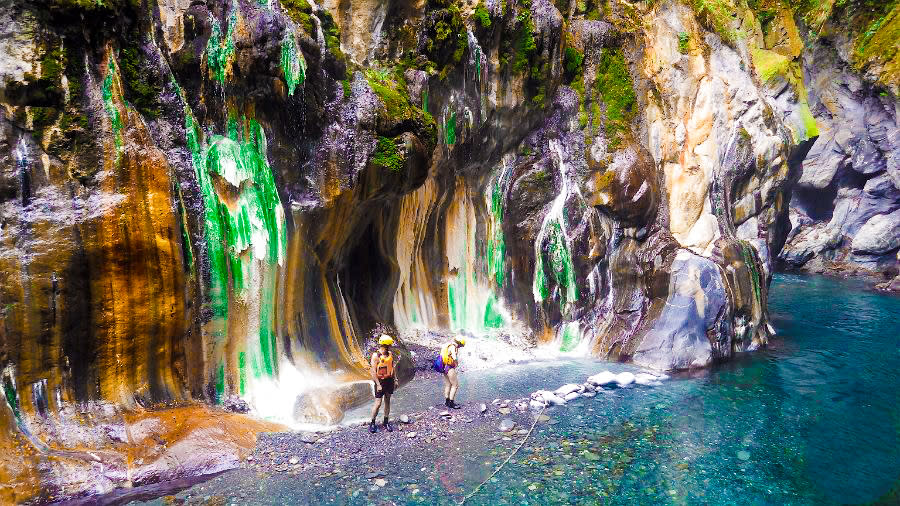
x=684, y=40
x=52, y=67
x=717, y=15
x=525, y=44
x=573, y=61
x=770, y=65
x=614, y=86
x=880, y=43
x=482, y=15
x=391, y=89
x=446, y=39
x=43, y=117
x=398, y=113
x=141, y=88
x=387, y=155
x=301, y=12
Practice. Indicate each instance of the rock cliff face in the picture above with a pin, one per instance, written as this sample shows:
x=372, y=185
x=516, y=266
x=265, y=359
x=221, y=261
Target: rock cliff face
x=844, y=211
x=203, y=200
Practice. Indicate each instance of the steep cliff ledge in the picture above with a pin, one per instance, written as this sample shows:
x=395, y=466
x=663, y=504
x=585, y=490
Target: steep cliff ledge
x=201, y=201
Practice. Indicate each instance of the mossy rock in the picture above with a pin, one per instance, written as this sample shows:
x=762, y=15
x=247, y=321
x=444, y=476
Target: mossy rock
x=141, y=80
x=445, y=37
x=616, y=89
x=300, y=11
x=398, y=114
x=388, y=155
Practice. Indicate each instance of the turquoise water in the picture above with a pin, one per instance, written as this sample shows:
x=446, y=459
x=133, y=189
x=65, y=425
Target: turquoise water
x=813, y=419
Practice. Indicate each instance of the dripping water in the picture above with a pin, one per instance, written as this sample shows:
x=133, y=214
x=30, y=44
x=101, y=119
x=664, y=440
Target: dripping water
x=21, y=154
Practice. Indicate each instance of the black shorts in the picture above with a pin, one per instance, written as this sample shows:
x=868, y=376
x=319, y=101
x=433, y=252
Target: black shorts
x=387, y=387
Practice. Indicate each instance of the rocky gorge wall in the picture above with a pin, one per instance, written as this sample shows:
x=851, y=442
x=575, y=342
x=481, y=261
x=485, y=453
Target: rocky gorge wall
x=201, y=201
x=844, y=212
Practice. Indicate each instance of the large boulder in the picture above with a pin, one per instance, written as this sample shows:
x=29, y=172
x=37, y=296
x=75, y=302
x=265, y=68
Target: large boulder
x=327, y=405
x=881, y=234
x=678, y=339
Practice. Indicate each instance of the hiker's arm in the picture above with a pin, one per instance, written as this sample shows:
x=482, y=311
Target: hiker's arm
x=373, y=370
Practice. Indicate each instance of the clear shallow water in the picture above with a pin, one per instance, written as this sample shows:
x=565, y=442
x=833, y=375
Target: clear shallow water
x=813, y=419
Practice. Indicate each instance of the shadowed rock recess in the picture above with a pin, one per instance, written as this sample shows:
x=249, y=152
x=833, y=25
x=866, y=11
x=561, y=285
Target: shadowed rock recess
x=215, y=203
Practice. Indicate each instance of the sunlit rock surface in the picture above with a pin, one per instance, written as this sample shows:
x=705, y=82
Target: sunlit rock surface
x=222, y=200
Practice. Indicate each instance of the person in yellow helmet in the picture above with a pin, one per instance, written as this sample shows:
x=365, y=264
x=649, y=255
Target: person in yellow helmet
x=383, y=374
x=446, y=364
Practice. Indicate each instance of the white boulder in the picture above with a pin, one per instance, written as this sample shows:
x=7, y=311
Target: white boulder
x=625, y=378
x=568, y=389
x=602, y=379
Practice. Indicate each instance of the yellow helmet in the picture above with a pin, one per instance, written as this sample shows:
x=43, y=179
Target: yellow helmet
x=461, y=340
x=385, y=340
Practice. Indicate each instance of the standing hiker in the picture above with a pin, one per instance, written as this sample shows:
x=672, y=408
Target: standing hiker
x=383, y=374
x=446, y=364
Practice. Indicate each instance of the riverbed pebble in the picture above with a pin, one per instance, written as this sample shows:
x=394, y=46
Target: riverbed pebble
x=507, y=424
x=308, y=437
x=482, y=408
x=405, y=419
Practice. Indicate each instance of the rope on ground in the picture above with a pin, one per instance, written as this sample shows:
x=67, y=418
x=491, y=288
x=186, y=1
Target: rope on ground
x=472, y=493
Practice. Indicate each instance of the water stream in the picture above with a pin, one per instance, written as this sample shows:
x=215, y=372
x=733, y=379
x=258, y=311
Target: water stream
x=813, y=419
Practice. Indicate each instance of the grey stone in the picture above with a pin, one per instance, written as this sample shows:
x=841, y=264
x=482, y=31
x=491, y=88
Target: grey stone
x=879, y=235
x=507, y=424
x=678, y=338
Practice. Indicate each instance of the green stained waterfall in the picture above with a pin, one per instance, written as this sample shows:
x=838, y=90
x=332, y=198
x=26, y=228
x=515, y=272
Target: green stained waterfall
x=219, y=49
x=293, y=65
x=245, y=237
x=115, y=118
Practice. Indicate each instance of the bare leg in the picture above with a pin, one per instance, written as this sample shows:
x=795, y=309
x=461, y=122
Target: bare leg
x=377, y=406
x=447, y=385
x=387, y=407
x=454, y=383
